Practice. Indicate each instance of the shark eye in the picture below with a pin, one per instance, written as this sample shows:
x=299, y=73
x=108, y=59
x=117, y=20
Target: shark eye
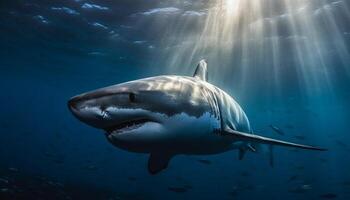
x=131, y=97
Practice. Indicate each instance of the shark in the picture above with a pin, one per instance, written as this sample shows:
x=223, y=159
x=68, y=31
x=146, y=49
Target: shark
x=170, y=115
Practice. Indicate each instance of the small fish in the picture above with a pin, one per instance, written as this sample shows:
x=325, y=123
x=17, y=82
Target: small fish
x=245, y=174
x=4, y=190
x=300, y=167
x=58, y=161
x=131, y=178
x=292, y=178
x=109, y=149
x=306, y=187
x=243, y=187
x=90, y=167
x=177, y=189
x=233, y=193
x=58, y=135
x=188, y=186
x=342, y=144
x=299, y=137
x=277, y=130
x=4, y=180
x=346, y=183
x=48, y=154
x=250, y=187
x=12, y=169
x=294, y=150
x=203, y=161
x=288, y=126
x=298, y=190
x=329, y=196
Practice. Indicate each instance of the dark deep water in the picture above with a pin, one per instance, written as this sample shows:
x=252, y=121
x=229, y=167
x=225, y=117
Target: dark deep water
x=52, y=50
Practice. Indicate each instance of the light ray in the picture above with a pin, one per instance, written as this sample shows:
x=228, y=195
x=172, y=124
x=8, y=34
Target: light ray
x=278, y=44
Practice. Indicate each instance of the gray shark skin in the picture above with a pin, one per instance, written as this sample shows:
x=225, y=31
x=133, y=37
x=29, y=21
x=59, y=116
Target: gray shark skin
x=169, y=115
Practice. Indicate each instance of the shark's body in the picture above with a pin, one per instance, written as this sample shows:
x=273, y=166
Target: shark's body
x=169, y=115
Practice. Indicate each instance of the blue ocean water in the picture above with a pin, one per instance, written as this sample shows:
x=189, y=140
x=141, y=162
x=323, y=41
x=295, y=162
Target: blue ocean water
x=294, y=74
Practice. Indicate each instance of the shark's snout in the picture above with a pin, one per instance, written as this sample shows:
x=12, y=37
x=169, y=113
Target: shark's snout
x=86, y=112
x=127, y=122
x=73, y=105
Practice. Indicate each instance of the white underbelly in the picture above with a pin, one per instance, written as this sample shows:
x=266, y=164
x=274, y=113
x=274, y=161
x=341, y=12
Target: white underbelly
x=196, y=135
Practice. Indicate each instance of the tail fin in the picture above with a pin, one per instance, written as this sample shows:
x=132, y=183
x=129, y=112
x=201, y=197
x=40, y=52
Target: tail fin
x=264, y=140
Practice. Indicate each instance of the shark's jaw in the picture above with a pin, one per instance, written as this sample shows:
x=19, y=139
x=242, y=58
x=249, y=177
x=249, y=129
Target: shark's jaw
x=127, y=126
x=140, y=135
x=131, y=129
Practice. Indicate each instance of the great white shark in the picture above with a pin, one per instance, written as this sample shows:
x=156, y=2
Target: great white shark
x=166, y=116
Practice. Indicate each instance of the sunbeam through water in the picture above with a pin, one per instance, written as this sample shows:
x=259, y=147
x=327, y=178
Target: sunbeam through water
x=297, y=39
x=285, y=62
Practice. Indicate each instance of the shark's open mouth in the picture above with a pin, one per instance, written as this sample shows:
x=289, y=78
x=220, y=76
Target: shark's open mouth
x=127, y=126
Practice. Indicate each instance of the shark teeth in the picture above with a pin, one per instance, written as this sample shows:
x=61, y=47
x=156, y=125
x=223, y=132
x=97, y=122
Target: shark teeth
x=104, y=114
x=127, y=126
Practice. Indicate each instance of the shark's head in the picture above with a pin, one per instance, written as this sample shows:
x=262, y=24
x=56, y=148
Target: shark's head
x=135, y=115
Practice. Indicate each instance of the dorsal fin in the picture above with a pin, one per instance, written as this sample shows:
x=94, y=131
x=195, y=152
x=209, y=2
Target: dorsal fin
x=201, y=71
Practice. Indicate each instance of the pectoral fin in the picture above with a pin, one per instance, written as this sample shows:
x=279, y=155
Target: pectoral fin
x=158, y=161
x=264, y=140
